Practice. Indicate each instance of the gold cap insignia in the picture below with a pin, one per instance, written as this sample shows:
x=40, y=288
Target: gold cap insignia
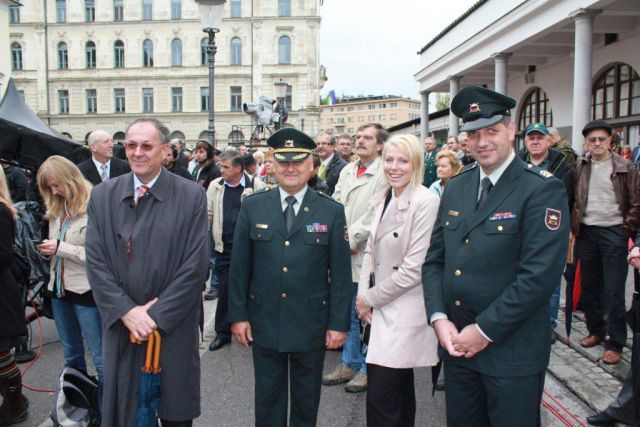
x=288, y=143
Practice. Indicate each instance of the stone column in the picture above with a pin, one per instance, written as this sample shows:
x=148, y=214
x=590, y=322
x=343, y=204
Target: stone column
x=424, y=116
x=454, y=87
x=582, y=64
x=501, y=73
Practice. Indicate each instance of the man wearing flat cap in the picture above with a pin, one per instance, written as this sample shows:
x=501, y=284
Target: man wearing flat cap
x=290, y=284
x=497, y=252
x=605, y=214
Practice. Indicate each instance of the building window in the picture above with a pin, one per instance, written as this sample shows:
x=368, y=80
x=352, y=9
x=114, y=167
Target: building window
x=236, y=136
x=118, y=54
x=147, y=100
x=236, y=8
x=61, y=11
x=236, y=51
x=92, y=101
x=176, y=99
x=288, y=104
x=176, y=53
x=284, y=50
x=203, y=51
x=63, y=56
x=119, y=100
x=176, y=9
x=16, y=56
x=535, y=109
x=616, y=93
x=236, y=98
x=284, y=7
x=204, y=99
x=14, y=14
x=147, y=53
x=147, y=10
x=89, y=11
x=118, y=10
x=90, y=50
x=63, y=101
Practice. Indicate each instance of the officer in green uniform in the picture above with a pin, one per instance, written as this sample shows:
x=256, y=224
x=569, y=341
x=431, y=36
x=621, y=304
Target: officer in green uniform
x=290, y=284
x=497, y=251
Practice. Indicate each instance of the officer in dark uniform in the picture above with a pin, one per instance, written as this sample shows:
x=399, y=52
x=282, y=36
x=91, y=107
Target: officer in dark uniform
x=497, y=251
x=290, y=284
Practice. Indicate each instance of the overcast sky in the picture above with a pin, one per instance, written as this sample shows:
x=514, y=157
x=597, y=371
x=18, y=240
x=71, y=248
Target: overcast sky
x=369, y=46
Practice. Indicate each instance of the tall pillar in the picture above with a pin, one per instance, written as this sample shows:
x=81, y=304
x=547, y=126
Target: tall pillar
x=582, y=64
x=501, y=74
x=454, y=87
x=424, y=116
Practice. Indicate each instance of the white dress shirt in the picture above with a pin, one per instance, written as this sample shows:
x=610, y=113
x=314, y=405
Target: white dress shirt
x=299, y=196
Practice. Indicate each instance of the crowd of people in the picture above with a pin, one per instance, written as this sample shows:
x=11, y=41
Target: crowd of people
x=402, y=254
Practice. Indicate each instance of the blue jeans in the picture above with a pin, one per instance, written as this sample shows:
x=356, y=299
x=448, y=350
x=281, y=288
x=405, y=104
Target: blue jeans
x=212, y=263
x=74, y=321
x=554, y=306
x=352, y=349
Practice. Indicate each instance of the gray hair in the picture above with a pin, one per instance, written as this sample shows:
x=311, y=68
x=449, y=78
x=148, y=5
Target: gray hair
x=344, y=136
x=324, y=132
x=234, y=156
x=163, y=132
x=97, y=136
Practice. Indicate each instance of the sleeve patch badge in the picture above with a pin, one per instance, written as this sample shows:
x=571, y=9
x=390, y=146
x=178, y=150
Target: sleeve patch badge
x=552, y=219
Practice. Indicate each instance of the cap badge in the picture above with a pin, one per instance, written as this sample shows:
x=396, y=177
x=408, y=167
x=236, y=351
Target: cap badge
x=474, y=108
x=288, y=143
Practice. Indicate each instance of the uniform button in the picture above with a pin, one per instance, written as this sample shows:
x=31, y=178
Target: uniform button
x=287, y=243
x=500, y=228
x=446, y=223
x=284, y=295
x=457, y=272
x=530, y=166
x=285, y=269
x=458, y=303
x=466, y=241
x=317, y=240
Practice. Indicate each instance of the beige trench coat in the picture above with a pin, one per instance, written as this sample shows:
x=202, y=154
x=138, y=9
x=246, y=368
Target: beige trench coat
x=400, y=335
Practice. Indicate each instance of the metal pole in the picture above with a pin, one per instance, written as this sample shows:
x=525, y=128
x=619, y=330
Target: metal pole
x=211, y=59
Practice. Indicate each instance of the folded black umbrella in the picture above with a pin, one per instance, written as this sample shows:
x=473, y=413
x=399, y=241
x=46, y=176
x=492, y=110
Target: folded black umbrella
x=633, y=318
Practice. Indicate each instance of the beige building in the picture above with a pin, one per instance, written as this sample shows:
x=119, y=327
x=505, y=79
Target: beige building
x=5, y=57
x=90, y=64
x=349, y=113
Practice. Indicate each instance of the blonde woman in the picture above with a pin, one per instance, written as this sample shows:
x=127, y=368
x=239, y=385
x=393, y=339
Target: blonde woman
x=66, y=196
x=268, y=175
x=390, y=294
x=448, y=164
x=15, y=405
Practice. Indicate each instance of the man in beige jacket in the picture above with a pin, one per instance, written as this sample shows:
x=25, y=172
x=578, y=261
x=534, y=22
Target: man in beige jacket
x=356, y=186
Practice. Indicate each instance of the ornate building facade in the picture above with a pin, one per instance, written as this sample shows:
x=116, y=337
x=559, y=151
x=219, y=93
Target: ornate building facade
x=88, y=64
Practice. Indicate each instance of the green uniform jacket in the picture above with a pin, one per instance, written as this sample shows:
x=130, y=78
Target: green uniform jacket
x=498, y=266
x=430, y=167
x=294, y=286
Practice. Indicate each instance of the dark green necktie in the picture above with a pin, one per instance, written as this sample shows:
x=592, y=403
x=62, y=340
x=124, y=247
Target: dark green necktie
x=289, y=212
x=484, y=192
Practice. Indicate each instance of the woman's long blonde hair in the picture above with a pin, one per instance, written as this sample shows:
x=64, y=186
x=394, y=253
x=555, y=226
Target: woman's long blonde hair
x=76, y=188
x=5, y=195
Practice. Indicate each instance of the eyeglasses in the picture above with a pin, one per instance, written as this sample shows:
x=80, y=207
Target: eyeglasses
x=144, y=147
x=597, y=138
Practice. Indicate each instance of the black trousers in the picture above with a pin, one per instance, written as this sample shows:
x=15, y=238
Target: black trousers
x=274, y=373
x=623, y=408
x=166, y=423
x=603, y=263
x=478, y=400
x=222, y=325
x=391, y=397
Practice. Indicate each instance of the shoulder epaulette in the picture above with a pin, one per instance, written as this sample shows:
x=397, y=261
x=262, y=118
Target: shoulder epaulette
x=326, y=196
x=260, y=191
x=537, y=171
x=466, y=169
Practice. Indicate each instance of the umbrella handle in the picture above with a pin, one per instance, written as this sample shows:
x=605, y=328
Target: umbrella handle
x=156, y=352
x=148, y=358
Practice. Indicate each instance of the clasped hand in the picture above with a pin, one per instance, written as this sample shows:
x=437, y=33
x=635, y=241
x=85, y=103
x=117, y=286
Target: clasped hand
x=363, y=310
x=466, y=343
x=138, y=321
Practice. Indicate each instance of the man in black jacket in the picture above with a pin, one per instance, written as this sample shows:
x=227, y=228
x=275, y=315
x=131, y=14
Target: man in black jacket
x=539, y=153
x=332, y=163
x=102, y=165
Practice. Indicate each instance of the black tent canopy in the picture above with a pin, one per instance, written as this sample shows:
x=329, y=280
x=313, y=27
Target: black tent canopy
x=26, y=139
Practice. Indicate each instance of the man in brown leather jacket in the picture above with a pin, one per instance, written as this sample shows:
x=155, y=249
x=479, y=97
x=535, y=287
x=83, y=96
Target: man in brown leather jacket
x=606, y=213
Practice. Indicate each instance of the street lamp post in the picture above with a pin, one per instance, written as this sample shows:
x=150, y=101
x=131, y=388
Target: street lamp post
x=302, y=114
x=211, y=18
x=281, y=95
